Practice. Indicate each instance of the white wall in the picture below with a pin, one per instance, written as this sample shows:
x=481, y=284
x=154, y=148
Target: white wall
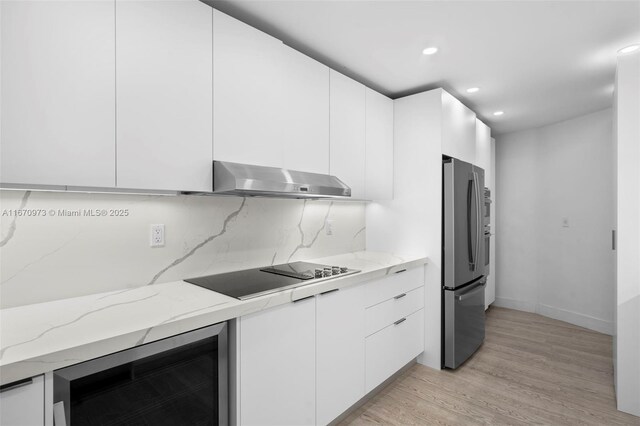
x=627, y=131
x=53, y=257
x=543, y=176
x=516, y=255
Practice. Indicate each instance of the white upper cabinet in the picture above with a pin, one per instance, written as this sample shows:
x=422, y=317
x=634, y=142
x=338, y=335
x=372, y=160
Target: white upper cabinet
x=458, y=129
x=139, y=94
x=306, y=115
x=340, y=348
x=58, y=93
x=347, y=132
x=484, y=160
x=164, y=95
x=379, y=146
x=248, y=102
x=483, y=150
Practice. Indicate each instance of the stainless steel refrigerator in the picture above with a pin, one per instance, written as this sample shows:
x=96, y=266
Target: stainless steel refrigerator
x=463, y=266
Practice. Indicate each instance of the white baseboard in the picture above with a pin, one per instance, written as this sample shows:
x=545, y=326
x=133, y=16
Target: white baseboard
x=430, y=360
x=519, y=305
x=575, y=318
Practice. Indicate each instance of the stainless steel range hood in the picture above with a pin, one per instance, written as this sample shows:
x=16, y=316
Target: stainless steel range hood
x=249, y=180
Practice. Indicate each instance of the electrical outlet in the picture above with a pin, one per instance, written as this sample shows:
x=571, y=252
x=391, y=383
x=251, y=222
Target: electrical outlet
x=157, y=235
x=328, y=228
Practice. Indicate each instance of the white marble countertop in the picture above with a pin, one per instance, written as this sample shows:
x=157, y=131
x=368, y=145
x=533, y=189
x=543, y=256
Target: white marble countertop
x=39, y=338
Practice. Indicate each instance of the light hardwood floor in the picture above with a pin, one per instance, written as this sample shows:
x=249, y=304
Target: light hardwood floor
x=530, y=370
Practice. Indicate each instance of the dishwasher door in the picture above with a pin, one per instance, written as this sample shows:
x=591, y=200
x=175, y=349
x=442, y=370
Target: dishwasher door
x=463, y=322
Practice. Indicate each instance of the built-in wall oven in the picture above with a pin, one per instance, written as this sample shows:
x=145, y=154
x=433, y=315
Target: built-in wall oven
x=487, y=207
x=181, y=380
x=487, y=229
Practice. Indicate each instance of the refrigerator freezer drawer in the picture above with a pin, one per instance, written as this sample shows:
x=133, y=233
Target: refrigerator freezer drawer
x=463, y=322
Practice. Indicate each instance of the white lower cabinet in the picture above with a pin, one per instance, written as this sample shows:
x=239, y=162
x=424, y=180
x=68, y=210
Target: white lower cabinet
x=340, y=353
x=393, y=347
x=277, y=365
x=383, y=314
x=309, y=361
x=385, y=288
x=394, y=319
x=23, y=405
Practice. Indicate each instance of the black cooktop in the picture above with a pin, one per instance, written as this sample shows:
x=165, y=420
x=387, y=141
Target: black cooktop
x=260, y=281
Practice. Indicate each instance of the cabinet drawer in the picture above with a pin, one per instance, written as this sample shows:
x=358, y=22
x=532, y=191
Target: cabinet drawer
x=401, y=282
x=23, y=404
x=392, y=348
x=386, y=313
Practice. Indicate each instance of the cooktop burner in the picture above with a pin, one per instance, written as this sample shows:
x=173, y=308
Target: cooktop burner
x=260, y=281
x=300, y=270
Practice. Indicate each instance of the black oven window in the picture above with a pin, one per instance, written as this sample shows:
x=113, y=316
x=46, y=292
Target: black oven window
x=176, y=387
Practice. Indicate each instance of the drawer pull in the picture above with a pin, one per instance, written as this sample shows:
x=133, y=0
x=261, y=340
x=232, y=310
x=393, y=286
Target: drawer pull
x=401, y=270
x=400, y=296
x=329, y=291
x=15, y=385
x=304, y=298
x=400, y=321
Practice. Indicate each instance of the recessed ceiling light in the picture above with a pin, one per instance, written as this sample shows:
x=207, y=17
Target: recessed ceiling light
x=498, y=113
x=629, y=49
x=472, y=89
x=430, y=50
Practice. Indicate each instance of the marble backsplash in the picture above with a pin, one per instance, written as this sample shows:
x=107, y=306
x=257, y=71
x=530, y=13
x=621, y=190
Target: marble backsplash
x=56, y=245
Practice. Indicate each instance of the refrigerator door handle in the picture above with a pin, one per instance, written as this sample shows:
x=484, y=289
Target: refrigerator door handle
x=478, y=216
x=471, y=293
x=470, y=185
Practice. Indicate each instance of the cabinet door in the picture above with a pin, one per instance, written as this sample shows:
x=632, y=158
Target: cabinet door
x=58, y=93
x=379, y=146
x=23, y=405
x=277, y=365
x=306, y=127
x=347, y=132
x=164, y=94
x=248, y=73
x=483, y=150
x=340, y=347
x=458, y=129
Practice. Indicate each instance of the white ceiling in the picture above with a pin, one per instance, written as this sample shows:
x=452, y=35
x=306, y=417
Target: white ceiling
x=539, y=61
